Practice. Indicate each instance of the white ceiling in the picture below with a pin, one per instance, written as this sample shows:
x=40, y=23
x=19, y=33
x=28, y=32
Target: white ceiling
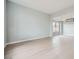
x=46, y=6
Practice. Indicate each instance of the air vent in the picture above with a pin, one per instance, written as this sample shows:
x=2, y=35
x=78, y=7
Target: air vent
x=69, y=20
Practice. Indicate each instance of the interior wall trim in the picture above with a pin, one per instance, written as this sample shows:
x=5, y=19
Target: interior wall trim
x=33, y=38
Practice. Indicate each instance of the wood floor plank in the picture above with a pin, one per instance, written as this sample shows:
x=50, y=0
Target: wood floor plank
x=40, y=49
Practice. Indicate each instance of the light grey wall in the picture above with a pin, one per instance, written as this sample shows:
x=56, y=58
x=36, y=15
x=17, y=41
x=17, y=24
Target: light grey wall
x=25, y=23
x=5, y=23
x=68, y=29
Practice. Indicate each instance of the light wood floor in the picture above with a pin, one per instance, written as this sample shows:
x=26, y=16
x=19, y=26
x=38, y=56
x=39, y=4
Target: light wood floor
x=41, y=49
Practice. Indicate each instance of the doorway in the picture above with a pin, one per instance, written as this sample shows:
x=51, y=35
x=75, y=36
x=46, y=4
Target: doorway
x=57, y=28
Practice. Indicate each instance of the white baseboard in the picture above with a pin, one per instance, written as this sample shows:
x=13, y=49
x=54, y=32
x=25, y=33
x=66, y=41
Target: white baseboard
x=33, y=38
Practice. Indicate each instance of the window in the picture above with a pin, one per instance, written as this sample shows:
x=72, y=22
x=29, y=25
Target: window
x=57, y=28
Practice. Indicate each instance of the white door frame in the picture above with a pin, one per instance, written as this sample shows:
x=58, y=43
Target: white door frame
x=52, y=27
